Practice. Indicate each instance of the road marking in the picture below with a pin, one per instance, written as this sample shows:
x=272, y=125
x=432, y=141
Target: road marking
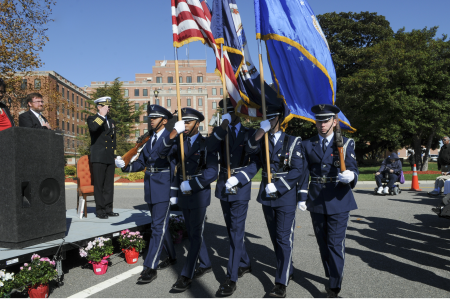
x=106, y=284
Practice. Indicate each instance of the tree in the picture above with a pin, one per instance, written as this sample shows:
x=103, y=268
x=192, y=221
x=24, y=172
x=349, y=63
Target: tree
x=121, y=111
x=402, y=94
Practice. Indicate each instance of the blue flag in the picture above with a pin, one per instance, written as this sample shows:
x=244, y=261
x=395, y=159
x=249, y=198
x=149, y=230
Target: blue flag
x=227, y=29
x=299, y=56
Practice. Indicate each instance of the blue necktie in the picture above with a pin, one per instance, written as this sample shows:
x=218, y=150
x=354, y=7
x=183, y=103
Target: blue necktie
x=324, y=145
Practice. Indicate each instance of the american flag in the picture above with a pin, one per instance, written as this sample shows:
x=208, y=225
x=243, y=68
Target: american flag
x=191, y=21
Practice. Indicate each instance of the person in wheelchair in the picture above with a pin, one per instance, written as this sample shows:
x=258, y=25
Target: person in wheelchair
x=443, y=210
x=390, y=170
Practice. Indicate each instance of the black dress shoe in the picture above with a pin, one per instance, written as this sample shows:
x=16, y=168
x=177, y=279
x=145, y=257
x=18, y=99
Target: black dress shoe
x=112, y=214
x=227, y=288
x=102, y=216
x=279, y=291
x=166, y=263
x=183, y=283
x=243, y=270
x=199, y=272
x=332, y=292
x=147, y=276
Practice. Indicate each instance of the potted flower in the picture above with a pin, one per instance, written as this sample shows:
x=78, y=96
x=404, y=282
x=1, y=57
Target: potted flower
x=177, y=228
x=7, y=283
x=36, y=276
x=131, y=244
x=97, y=253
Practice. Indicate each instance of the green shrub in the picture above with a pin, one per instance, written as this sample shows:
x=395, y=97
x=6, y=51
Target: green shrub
x=70, y=170
x=135, y=176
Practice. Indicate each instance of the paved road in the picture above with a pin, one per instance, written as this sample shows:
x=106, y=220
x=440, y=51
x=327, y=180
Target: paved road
x=396, y=247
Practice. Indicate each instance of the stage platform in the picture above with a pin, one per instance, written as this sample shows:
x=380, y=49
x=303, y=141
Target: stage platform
x=79, y=233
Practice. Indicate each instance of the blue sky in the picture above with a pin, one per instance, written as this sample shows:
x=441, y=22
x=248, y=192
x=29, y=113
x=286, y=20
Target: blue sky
x=99, y=40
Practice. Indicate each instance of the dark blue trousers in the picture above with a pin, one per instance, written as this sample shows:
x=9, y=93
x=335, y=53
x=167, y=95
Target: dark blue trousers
x=330, y=234
x=235, y=214
x=160, y=237
x=392, y=179
x=195, y=225
x=281, y=223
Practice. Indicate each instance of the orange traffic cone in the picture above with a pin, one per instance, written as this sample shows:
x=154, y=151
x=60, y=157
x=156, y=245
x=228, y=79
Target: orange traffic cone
x=415, y=180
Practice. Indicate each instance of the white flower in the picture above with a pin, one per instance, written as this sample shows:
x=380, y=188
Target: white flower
x=9, y=276
x=1, y=284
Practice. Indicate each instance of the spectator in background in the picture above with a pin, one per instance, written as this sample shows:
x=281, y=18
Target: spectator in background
x=33, y=118
x=6, y=121
x=392, y=166
x=444, y=166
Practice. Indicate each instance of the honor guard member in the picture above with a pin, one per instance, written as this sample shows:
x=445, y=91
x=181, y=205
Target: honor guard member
x=157, y=193
x=279, y=198
x=103, y=158
x=194, y=194
x=330, y=198
x=234, y=193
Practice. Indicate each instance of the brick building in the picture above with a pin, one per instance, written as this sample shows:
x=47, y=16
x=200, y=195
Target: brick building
x=66, y=101
x=198, y=89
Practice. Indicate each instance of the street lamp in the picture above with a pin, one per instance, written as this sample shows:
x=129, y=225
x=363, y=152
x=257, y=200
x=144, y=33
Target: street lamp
x=156, y=92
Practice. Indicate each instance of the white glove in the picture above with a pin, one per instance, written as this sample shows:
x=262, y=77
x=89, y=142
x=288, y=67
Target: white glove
x=179, y=126
x=265, y=125
x=302, y=205
x=173, y=200
x=231, y=182
x=119, y=162
x=346, y=176
x=226, y=117
x=270, y=188
x=185, y=186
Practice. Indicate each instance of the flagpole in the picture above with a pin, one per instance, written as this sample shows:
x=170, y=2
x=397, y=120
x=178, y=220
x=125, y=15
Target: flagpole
x=177, y=79
x=263, y=101
x=225, y=104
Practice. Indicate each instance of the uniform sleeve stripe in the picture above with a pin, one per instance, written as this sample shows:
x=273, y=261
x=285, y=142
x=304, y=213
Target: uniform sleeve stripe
x=198, y=182
x=248, y=179
x=302, y=191
x=250, y=145
x=287, y=186
x=215, y=134
x=174, y=188
x=165, y=144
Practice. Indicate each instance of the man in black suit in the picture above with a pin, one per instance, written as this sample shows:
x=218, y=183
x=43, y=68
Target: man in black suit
x=33, y=118
x=103, y=157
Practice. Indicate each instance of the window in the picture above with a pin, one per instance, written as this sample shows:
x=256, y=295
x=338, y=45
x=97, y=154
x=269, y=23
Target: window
x=169, y=79
x=24, y=104
x=62, y=123
x=73, y=98
x=81, y=102
x=68, y=112
x=68, y=127
x=37, y=83
x=68, y=96
x=78, y=130
x=136, y=119
x=136, y=106
x=63, y=109
x=68, y=143
x=62, y=92
x=77, y=116
x=145, y=119
x=145, y=131
x=73, y=128
x=81, y=115
x=200, y=128
x=73, y=143
x=158, y=79
x=24, y=85
x=145, y=107
x=214, y=105
x=168, y=103
x=188, y=102
x=157, y=101
x=125, y=92
x=181, y=79
x=188, y=79
x=200, y=101
x=189, y=90
x=57, y=122
x=77, y=101
x=136, y=133
x=73, y=113
x=214, y=91
x=136, y=92
x=200, y=90
x=145, y=92
x=199, y=79
x=221, y=91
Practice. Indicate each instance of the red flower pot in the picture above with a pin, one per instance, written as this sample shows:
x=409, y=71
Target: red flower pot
x=179, y=238
x=38, y=291
x=131, y=255
x=100, y=267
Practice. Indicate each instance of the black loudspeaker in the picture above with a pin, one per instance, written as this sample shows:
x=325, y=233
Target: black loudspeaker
x=32, y=194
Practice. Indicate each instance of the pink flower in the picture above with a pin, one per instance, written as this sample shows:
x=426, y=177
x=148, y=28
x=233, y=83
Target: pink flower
x=82, y=253
x=21, y=268
x=29, y=268
x=35, y=256
x=26, y=265
x=52, y=263
x=138, y=233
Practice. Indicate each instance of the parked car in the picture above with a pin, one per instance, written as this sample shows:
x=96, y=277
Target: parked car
x=434, y=158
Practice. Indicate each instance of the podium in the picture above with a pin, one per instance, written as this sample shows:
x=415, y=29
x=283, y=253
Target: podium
x=32, y=188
